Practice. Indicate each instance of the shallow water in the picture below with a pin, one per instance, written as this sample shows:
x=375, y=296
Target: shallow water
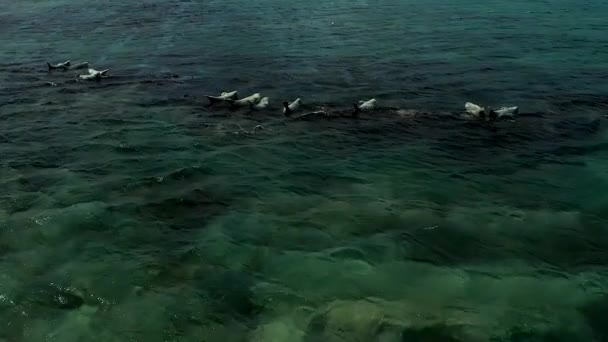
x=131, y=211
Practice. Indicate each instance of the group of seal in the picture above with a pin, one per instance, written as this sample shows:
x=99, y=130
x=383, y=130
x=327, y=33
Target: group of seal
x=91, y=74
x=256, y=102
x=488, y=112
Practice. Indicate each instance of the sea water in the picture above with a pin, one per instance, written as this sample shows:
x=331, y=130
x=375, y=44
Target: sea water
x=132, y=211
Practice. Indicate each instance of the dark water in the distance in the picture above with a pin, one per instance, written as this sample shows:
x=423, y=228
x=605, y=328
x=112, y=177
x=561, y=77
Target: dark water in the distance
x=129, y=212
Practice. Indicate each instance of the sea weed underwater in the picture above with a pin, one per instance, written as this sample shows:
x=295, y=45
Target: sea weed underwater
x=129, y=212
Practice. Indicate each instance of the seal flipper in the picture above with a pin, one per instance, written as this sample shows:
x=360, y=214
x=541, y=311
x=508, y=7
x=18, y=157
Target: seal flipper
x=50, y=66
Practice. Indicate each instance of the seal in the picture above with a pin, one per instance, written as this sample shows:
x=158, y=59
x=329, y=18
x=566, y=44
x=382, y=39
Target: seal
x=290, y=108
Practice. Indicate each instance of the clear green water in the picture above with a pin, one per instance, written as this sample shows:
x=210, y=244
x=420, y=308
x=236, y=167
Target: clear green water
x=129, y=212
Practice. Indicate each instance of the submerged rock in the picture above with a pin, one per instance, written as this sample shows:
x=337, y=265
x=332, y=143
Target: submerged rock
x=348, y=321
x=595, y=314
x=347, y=253
x=230, y=293
x=189, y=209
x=379, y=321
x=277, y=331
x=527, y=335
x=439, y=333
x=57, y=297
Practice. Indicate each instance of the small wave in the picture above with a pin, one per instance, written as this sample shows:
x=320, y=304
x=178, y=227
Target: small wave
x=579, y=150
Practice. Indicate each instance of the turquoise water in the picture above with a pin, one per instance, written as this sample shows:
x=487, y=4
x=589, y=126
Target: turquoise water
x=131, y=211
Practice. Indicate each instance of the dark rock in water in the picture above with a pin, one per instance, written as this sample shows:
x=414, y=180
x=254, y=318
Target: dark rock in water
x=184, y=174
x=353, y=321
x=57, y=297
x=595, y=314
x=377, y=321
x=18, y=204
x=188, y=209
x=67, y=300
x=34, y=183
x=192, y=203
x=347, y=253
x=5, y=248
x=434, y=333
x=449, y=245
x=188, y=173
x=230, y=293
x=521, y=335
